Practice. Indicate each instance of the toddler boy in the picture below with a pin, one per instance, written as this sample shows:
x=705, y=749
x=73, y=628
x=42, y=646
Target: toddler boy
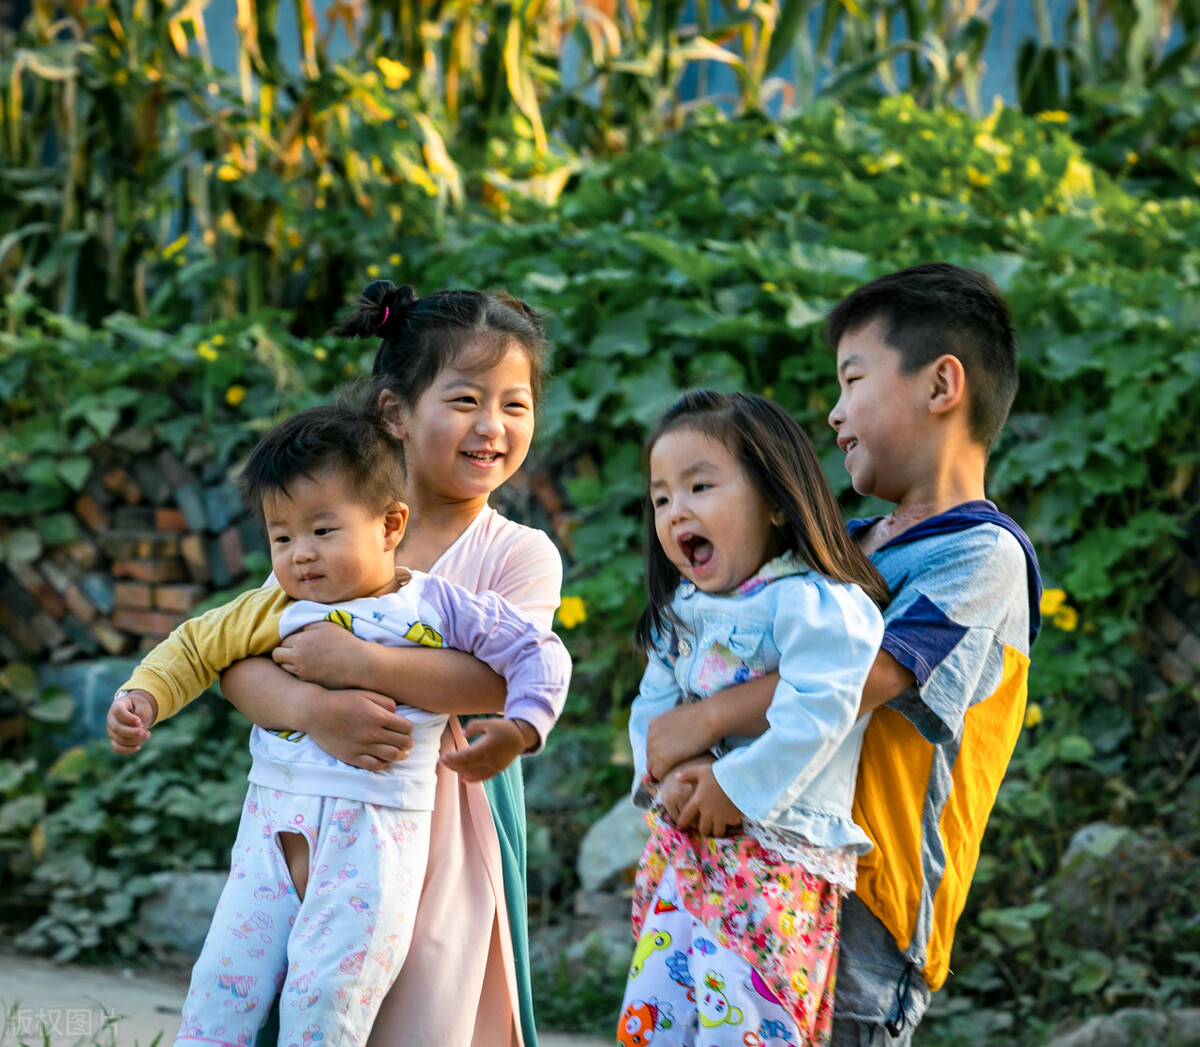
x=327, y=484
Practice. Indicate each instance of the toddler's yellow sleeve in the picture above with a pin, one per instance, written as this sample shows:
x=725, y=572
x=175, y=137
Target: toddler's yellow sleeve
x=180, y=668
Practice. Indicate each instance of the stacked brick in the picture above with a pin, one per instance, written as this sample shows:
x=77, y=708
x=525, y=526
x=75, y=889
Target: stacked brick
x=155, y=539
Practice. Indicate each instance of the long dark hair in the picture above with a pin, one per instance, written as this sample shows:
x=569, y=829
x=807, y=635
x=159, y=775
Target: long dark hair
x=420, y=335
x=780, y=462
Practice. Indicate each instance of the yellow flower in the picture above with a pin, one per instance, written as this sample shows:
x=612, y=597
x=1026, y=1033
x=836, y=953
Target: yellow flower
x=927, y=134
x=210, y=236
x=235, y=394
x=1033, y=715
x=1066, y=618
x=371, y=78
x=293, y=238
x=218, y=339
x=1052, y=600
x=372, y=271
x=175, y=247
x=394, y=260
x=1053, y=116
x=320, y=352
x=768, y=286
x=1077, y=181
x=394, y=73
x=977, y=178
x=1032, y=167
x=228, y=173
x=206, y=351
x=1131, y=158
x=572, y=612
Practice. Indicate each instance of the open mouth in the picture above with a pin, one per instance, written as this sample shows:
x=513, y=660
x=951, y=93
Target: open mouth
x=849, y=445
x=698, y=549
x=483, y=457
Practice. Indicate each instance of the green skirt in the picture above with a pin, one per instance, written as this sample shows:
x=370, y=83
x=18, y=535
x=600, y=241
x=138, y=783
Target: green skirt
x=506, y=797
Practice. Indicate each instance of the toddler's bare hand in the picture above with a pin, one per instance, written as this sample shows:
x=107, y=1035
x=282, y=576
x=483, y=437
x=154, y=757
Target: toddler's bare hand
x=501, y=741
x=129, y=719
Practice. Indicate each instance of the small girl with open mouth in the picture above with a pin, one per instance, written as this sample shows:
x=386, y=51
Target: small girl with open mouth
x=749, y=571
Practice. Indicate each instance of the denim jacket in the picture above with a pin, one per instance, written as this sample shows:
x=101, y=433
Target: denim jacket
x=796, y=780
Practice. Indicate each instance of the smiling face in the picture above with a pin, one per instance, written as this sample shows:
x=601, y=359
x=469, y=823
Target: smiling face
x=882, y=414
x=326, y=545
x=471, y=429
x=712, y=523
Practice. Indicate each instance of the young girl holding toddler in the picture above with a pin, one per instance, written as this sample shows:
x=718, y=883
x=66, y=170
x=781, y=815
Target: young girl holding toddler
x=749, y=571
x=459, y=374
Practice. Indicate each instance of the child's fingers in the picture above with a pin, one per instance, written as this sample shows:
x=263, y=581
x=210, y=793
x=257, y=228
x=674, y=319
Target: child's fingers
x=124, y=716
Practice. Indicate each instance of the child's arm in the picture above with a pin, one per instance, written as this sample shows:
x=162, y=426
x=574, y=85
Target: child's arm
x=741, y=711
x=440, y=681
x=358, y=727
x=828, y=637
x=181, y=667
x=685, y=731
x=658, y=692
x=533, y=660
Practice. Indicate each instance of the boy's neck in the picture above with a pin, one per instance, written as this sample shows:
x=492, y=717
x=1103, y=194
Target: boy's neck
x=961, y=481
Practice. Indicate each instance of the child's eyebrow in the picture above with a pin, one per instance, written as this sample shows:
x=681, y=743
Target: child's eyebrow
x=684, y=474
x=850, y=361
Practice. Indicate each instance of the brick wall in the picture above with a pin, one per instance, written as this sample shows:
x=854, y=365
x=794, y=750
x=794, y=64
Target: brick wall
x=154, y=540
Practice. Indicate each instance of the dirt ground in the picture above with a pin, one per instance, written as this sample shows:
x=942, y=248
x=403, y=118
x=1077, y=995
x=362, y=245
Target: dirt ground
x=69, y=1003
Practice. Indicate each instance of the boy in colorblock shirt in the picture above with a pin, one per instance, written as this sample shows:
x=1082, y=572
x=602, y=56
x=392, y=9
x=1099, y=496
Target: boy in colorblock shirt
x=927, y=365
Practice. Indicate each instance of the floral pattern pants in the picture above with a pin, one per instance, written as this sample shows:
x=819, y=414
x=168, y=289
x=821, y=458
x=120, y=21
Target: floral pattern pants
x=777, y=914
x=335, y=954
x=686, y=988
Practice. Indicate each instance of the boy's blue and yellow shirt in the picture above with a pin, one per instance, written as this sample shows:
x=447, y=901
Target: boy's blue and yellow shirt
x=964, y=613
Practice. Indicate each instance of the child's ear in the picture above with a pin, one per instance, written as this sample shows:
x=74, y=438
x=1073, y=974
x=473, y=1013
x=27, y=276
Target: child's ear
x=395, y=518
x=949, y=387
x=393, y=414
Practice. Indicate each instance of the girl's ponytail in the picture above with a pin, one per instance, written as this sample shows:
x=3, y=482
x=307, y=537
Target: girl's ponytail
x=379, y=311
x=418, y=336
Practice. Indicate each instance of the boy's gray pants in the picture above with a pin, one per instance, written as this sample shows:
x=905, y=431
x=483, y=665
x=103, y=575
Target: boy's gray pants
x=880, y=997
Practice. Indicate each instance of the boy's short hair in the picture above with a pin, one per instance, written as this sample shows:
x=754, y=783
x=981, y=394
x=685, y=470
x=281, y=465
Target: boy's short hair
x=344, y=437
x=938, y=308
